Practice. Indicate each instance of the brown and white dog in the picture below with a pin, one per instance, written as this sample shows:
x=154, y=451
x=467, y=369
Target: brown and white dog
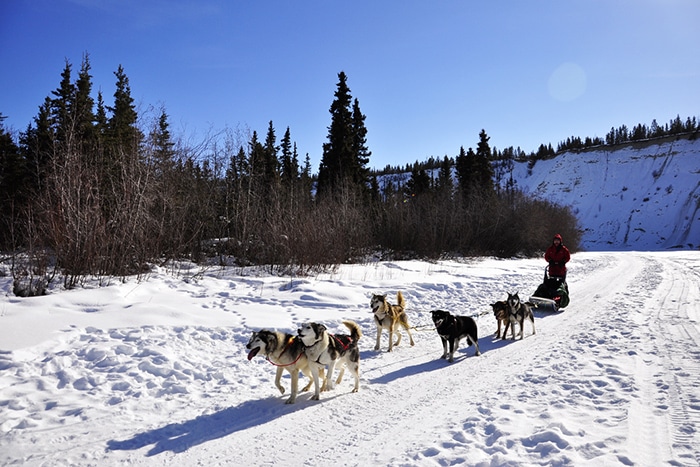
x=500, y=312
x=389, y=317
x=323, y=348
x=286, y=352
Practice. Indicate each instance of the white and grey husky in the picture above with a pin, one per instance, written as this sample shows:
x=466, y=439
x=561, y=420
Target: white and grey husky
x=323, y=348
x=286, y=352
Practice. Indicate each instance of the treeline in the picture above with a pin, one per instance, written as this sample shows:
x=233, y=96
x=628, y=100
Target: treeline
x=96, y=189
x=621, y=135
x=639, y=132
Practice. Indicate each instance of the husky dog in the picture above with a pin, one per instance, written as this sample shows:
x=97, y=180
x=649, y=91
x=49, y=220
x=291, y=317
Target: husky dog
x=388, y=316
x=286, y=352
x=322, y=348
x=452, y=329
x=500, y=312
x=518, y=312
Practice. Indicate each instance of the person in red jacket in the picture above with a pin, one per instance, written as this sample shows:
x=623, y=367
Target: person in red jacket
x=557, y=255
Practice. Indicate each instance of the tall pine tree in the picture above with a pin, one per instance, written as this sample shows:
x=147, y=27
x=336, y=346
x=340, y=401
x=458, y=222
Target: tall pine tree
x=121, y=127
x=484, y=170
x=345, y=155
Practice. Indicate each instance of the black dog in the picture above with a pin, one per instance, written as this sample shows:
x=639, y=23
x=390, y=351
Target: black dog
x=452, y=329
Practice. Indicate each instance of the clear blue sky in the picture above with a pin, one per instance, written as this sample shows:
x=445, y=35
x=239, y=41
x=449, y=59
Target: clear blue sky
x=429, y=75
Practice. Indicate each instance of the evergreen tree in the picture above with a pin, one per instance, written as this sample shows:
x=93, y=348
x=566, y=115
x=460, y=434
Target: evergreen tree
x=121, y=127
x=465, y=168
x=13, y=195
x=289, y=164
x=101, y=120
x=62, y=106
x=361, y=153
x=306, y=180
x=84, y=109
x=483, y=168
x=256, y=162
x=38, y=146
x=163, y=146
x=345, y=155
x=677, y=126
x=444, y=182
x=271, y=171
x=418, y=184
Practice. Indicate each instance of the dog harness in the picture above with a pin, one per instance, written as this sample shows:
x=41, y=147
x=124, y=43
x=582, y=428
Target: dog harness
x=343, y=344
x=289, y=342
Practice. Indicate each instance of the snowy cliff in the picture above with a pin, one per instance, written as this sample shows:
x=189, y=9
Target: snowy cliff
x=638, y=196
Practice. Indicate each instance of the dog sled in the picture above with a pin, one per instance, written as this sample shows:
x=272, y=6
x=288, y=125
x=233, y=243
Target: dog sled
x=552, y=294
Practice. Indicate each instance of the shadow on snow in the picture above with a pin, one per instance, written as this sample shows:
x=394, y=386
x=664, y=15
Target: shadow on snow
x=179, y=437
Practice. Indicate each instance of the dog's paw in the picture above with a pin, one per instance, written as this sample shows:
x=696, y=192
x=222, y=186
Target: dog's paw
x=376, y=347
x=291, y=400
x=355, y=390
x=315, y=397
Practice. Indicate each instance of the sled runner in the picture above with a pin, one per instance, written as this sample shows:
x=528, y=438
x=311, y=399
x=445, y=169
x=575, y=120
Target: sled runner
x=552, y=294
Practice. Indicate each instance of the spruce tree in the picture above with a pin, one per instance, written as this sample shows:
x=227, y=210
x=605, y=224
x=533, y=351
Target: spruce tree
x=465, y=168
x=418, y=184
x=361, y=153
x=289, y=164
x=122, y=131
x=38, y=146
x=13, y=194
x=345, y=155
x=483, y=168
x=62, y=106
x=444, y=184
x=84, y=109
x=271, y=171
x=163, y=145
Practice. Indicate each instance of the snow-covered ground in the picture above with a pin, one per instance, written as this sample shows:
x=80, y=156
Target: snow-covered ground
x=155, y=372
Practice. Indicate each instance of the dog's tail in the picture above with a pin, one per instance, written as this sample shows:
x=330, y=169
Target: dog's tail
x=355, y=330
x=400, y=300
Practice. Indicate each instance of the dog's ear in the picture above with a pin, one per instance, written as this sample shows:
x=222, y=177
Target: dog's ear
x=252, y=338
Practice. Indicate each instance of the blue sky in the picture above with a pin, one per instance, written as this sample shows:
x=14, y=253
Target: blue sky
x=429, y=75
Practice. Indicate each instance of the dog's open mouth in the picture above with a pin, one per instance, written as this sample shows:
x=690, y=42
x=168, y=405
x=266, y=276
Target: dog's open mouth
x=253, y=353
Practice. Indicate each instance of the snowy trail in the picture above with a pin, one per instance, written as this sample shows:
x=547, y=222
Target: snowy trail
x=614, y=379
x=460, y=408
x=674, y=331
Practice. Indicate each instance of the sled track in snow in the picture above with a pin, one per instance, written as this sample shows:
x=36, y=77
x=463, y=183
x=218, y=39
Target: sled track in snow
x=658, y=315
x=677, y=322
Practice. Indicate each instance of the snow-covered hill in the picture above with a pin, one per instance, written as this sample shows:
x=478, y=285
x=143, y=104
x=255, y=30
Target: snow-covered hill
x=643, y=196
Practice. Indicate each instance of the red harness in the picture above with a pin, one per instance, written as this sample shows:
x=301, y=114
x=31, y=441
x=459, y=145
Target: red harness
x=342, y=344
x=289, y=342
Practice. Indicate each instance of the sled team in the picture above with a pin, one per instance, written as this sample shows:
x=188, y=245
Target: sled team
x=316, y=353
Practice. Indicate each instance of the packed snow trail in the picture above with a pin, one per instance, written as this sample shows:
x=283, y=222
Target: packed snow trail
x=440, y=413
